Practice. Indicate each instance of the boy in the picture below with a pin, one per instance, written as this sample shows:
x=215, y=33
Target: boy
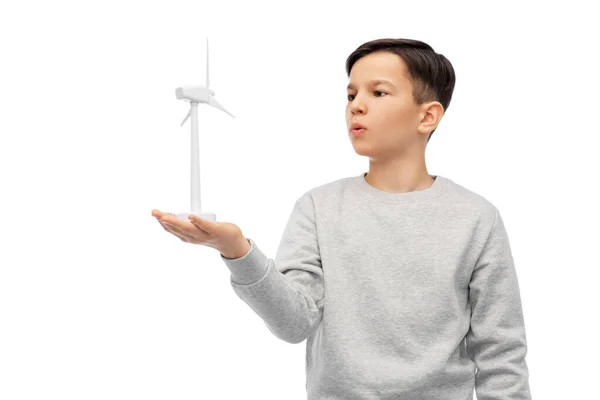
x=402, y=283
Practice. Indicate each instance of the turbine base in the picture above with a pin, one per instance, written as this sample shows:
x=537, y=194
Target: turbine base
x=204, y=215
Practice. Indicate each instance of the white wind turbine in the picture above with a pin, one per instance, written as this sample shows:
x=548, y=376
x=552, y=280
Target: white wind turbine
x=195, y=95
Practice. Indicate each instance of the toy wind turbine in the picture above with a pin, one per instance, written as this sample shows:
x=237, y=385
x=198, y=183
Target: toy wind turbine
x=195, y=95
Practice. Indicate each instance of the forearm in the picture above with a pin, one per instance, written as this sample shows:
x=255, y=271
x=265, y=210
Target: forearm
x=496, y=340
x=291, y=305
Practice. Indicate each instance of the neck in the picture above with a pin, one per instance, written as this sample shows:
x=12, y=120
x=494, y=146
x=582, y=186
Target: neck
x=399, y=176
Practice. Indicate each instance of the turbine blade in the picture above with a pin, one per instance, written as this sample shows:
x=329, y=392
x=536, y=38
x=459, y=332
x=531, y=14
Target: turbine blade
x=207, y=81
x=187, y=116
x=213, y=102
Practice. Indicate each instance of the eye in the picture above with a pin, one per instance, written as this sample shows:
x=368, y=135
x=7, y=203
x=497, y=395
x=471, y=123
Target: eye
x=376, y=91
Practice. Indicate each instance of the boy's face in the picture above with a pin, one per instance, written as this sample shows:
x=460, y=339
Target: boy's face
x=394, y=122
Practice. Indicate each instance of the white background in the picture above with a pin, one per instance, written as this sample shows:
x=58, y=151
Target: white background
x=97, y=301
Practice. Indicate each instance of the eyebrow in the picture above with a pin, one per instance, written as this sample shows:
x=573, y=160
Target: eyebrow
x=373, y=82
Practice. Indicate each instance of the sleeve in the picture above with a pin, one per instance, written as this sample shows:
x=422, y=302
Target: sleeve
x=288, y=292
x=496, y=340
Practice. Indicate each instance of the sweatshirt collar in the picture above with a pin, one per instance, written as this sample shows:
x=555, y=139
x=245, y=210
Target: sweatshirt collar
x=437, y=188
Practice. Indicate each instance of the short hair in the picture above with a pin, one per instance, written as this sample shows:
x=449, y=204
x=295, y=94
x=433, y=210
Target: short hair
x=431, y=74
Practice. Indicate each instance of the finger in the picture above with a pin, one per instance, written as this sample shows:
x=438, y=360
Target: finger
x=182, y=238
x=172, y=228
x=180, y=225
x=165, y=227
x=159, y=214
x=178, y=233
x=190, y=231
x=188, y=228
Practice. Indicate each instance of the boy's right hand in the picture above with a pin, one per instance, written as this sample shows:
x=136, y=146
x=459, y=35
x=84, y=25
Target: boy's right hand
x=226, y=237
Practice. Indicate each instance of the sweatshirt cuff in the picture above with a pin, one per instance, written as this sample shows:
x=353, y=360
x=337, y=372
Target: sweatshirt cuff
x=249, y=268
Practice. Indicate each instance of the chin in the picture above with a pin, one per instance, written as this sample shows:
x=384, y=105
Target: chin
x=363, y=149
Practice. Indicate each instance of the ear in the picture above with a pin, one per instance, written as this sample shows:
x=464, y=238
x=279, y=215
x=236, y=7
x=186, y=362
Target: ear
x=431, y=114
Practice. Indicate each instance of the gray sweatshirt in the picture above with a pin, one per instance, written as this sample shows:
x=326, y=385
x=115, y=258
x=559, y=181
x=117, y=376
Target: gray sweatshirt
x=410, y=295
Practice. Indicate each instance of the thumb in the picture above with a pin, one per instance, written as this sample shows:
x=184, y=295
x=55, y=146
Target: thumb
x=204, y=224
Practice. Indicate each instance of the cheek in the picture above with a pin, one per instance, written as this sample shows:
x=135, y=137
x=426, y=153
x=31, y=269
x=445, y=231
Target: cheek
x=398, y=119
x=388, y=120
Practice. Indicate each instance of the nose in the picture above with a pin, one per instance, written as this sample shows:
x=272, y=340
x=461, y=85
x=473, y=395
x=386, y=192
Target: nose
x=357, y=107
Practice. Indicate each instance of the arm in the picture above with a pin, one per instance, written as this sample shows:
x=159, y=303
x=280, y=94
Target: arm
x=238, y=250
x=288, y=292
x=496, y=341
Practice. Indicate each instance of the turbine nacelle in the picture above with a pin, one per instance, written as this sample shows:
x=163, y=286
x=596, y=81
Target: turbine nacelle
x=194, y=94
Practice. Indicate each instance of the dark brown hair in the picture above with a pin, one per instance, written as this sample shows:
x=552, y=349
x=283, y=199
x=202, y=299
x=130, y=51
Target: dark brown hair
x=430, y=73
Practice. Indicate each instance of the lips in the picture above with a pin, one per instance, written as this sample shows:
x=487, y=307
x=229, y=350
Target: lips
x=357, y=129
x=358, y=132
